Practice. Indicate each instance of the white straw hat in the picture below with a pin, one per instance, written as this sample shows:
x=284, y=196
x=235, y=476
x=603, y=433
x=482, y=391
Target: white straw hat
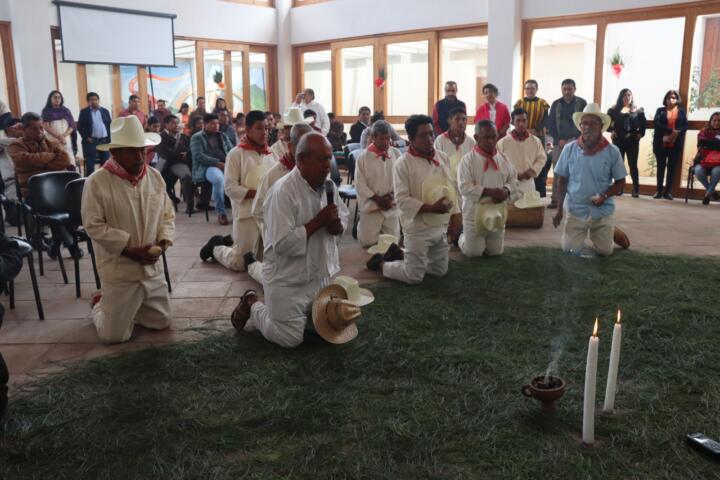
x=127, y=132
x=293, y=116
x=334, y=315
x=384, y=242
x=357, y=295
x=433, y=189
x=490, y=217
x=530, y=200
x=592, y=109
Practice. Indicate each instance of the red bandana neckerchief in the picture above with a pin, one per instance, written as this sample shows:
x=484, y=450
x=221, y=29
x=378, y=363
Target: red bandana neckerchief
x=603, y=143
x=517, y=136
x=250, y=145
x=288, y=161
x=383, y=154
x=116, y=169
x=490, y=157
x=430, y=158
x=458, y=144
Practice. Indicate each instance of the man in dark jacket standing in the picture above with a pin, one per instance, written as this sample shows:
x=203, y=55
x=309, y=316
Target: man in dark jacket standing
x=442, y=108
x=174, y=162
x=94, y=127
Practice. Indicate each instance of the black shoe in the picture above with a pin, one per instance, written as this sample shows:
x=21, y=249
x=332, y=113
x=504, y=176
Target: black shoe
x=657, y=195
x=53, y=251
x=76, y=251
x=706, y=199
x=635, y=192
x=374, y=262
x=393, y=253
x=206, y=252
x=249, y=259
x=553, y=204
x=668, y=196
x=228, y=241
x=175, y=200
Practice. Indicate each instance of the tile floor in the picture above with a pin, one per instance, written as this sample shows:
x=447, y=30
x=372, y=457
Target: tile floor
x=204, y=294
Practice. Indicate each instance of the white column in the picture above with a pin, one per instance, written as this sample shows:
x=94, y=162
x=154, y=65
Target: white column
x=33, y=53
x=504, y=68
x=284, y=54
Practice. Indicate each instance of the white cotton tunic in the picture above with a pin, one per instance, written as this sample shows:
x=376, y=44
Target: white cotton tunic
x=277, y=172
x=290, y=257
x=409, y=173
x=117, y=214
x=279, y=149
x=374, y=176
x=452, y=151
x=527, y=154
x=238, y=164
x=473, y=179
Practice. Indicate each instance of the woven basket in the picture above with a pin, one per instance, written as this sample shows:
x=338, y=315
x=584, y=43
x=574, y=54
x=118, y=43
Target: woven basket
x=525, y=217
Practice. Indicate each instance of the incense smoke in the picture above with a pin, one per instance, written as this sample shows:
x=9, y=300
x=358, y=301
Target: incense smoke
x=557, y=350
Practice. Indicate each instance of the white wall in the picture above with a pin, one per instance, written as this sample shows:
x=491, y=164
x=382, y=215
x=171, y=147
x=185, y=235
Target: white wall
x=555, y=8
x=355, y=18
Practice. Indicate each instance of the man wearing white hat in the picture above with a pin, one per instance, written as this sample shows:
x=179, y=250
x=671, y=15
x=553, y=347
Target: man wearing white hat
x=302, y=233
x=244, y=167
x=487, y=182
x=131, y=221
x=425, y=194
x=590, y=173
x=524, y=151
x=278, y=171
x=293, y=116
x=374, y=184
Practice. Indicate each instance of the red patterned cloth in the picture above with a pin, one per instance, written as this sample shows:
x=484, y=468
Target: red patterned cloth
x=249, y=145
x=490, y=158
x=430, y=158
x=457, y=144
x=520, y=137
x=288, y=161
x=602, y=144
x=380, y=153
x=116, y=169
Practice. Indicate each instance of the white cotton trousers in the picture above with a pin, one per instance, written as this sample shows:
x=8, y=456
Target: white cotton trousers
x=283, y=317
x=372, y=224
x=123, y=304
x=426, y=252
x=576, y=230
x=246, y=237
x=473, y=245
x=255, y=270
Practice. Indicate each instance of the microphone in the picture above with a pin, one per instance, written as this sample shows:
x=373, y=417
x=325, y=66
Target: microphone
x=330, y=191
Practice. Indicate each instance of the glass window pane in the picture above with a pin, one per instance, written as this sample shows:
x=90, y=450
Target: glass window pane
x=705, y=71
x=128, y=83
x=176, y=84
x=237, y=81
x=648, y=72
x=560, y=53
x=317, y=74
x=408, y=60
x=258, y=82
x=67, y=80
x=465, y=61
x=214, y=77
x=689, y=151
x=4, y=95
x=357, y=79
x=100, y=81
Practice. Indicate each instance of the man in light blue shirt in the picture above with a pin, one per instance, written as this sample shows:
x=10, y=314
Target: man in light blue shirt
x=590, y=172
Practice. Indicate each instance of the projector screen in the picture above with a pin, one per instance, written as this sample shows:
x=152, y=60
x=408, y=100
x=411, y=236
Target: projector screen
x=94, y=34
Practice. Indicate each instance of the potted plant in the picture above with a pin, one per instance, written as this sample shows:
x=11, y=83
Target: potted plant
x=616, y=63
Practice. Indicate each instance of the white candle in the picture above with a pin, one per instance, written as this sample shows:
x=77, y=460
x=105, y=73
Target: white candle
x=611, y=387
x=588, y=433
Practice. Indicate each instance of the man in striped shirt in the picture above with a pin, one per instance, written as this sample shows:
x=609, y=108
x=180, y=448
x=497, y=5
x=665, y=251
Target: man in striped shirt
x=537, y=112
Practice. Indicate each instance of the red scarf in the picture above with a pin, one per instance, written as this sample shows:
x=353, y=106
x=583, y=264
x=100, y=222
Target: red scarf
x=517, y=136
x=288, y=161
x=457, y=145
x=490, y=157
x=250, y=145
x=116, y=169
x=430, y=158
x=603, y=143
x=383, y=154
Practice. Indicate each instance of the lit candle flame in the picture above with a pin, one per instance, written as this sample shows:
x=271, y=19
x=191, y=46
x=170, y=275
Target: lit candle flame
x=619, y=315
x=596, y=328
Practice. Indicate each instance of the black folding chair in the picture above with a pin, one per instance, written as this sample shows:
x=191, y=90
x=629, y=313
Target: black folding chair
x=73, y=192
x=26, y=252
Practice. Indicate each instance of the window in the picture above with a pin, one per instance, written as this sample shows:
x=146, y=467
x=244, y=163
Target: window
x=100, y=81
x=560, y=53
x=258, y=81
x=648, y=71
x=465, y=61
x=357, y=79
x=705, y=68
x=176, y=85
x=236, y=61
x=128, y=83
x=317, y=74
x=67, y=82
x=407, y=60
x=214, y=77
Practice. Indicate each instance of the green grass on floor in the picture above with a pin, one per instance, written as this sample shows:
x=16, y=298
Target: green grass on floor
x=430, y=389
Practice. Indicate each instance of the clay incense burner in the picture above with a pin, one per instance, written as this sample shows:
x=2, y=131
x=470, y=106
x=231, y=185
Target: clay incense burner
x=547, y=393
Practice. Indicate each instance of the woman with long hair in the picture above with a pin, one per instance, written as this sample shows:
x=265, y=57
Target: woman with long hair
x=58, y=121
x=220, y=104
x=628, y=127
x=709, y=149
x=668, y=139
x=184, y=115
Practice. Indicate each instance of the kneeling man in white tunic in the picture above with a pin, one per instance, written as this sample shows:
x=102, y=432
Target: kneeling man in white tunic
x=131, y=221
x=374, y=183
x=302, y=232
x=487, y=181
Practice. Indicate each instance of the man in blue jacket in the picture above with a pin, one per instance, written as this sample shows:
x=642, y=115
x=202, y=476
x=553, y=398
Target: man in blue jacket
x=94, y=127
